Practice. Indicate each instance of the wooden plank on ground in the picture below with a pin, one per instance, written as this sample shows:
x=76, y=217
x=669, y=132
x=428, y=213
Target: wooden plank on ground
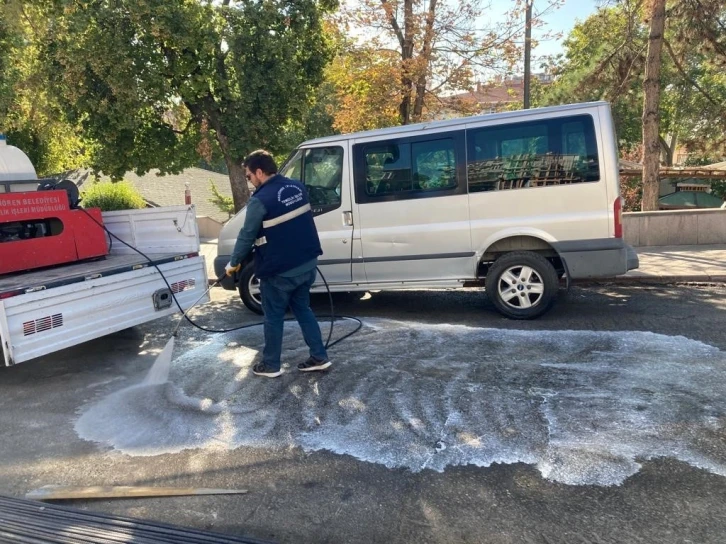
x=60, y=492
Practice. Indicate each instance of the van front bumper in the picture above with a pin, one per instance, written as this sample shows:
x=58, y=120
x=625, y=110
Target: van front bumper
x=601, y=258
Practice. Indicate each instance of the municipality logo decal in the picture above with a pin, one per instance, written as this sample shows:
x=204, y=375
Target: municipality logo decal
x=288, y=201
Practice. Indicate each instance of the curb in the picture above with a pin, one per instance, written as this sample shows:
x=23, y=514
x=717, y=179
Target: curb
x=665, y=279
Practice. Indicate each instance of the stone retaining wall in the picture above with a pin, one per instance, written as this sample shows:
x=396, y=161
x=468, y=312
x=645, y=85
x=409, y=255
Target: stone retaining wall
x=675, y=228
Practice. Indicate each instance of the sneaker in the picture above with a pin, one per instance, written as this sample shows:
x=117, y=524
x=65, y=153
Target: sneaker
x=261, y=370
x=314, y=364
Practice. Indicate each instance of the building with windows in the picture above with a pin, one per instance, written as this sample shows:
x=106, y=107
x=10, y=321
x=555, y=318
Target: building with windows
x=500, y=94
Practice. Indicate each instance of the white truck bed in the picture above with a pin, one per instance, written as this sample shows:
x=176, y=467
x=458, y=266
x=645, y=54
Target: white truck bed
x=43, y=311
x=58, y=276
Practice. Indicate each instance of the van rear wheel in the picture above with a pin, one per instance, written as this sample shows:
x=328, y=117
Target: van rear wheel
x=522, y=285
x=249, y=289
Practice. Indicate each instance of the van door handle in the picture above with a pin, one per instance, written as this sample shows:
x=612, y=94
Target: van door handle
x=348, y=219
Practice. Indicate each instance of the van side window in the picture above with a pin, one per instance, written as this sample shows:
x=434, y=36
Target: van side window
x=402, y=169
x=320, y=169
x=557, y=151
x=434, y=165
x=388, y=169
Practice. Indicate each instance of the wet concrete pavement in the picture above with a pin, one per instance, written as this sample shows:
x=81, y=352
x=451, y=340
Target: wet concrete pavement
x=303, y=494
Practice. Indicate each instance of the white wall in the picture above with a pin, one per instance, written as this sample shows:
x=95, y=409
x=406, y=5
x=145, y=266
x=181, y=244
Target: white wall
x=208, y=227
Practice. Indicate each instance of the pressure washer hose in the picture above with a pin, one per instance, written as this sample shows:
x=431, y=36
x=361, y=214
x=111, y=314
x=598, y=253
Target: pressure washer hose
x=219, y=280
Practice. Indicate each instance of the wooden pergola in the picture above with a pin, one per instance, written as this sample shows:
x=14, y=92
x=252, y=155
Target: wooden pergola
x=711, y=171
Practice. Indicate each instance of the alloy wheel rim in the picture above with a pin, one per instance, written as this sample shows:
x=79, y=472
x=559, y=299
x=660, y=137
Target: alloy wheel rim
x=253, y=288
x=521, y=287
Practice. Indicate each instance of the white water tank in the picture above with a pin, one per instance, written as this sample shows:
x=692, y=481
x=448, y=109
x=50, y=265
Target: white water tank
x=14, y=165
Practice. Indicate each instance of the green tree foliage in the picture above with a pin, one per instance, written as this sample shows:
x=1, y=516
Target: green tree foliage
x=696, y=47
x=415, y=53
x=605, y=58
x=30, y=113
x=361, y=76
x=110, y=196
x=718, y=188
x=223, y=203
x=315, y=121
x=157, y=83
x=8, y=44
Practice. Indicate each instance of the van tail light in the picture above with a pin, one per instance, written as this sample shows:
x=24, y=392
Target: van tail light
x=618, y=209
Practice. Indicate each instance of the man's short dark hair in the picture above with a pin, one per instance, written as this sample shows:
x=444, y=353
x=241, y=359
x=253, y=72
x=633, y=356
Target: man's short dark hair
x=260, y=160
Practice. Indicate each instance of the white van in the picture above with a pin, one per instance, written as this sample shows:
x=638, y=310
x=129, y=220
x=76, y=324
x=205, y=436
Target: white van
x=517, y=199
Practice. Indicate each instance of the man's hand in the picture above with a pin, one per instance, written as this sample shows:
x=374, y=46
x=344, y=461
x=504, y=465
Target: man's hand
x=229, y=269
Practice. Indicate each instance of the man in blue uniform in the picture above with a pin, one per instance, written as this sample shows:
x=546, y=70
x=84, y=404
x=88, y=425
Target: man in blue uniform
x=279, y=225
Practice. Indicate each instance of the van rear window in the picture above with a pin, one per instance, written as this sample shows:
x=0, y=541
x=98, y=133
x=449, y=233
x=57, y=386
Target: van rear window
x=560, y=151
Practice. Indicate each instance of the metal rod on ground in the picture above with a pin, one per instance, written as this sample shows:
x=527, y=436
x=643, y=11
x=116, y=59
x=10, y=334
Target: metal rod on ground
x=30, y=522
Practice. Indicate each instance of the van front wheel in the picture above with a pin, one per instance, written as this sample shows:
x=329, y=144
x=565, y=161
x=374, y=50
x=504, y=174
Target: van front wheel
x=249, y=289
x=522, y=285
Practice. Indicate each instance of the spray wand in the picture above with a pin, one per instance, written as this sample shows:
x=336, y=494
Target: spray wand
x=184, y=313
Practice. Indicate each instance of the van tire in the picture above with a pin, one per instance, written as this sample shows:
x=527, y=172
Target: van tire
x=247, y=280
x=522, y=303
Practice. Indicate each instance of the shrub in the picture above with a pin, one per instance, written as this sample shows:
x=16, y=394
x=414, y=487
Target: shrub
x=112, y=196
x=718, y=188
x=223, y=203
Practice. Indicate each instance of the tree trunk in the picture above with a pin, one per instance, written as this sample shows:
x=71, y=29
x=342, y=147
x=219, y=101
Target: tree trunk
x=651, y=103
x=237, y=178
x=404, y=109
x=667, y=151
x=425, y=62
x=238, y=182
x=672, y=146
x=419, y=100
x=527, y=53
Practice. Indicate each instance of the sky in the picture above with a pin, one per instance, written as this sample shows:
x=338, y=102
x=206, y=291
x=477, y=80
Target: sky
x=562, y=21
x=557, y=21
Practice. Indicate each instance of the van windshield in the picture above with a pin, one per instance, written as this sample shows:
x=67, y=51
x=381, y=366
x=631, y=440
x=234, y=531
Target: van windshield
x=320, y=169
